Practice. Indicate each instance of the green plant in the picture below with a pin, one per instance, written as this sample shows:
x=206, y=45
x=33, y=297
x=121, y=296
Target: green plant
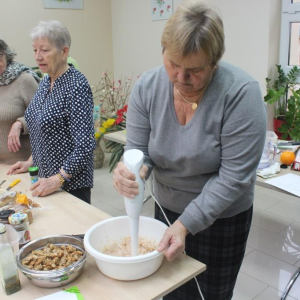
x=37, y=71
x=284, y=95
x=117, y=122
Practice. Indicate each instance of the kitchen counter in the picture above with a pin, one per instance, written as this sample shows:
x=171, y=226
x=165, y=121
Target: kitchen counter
x=62, y=213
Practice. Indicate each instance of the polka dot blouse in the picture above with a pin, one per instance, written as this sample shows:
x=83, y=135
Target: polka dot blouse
x=60, y=124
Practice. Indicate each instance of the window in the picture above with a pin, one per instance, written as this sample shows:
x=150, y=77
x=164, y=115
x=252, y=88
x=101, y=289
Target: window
x=290, y=35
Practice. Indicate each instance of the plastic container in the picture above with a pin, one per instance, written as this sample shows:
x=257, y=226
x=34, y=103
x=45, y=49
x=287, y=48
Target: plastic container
x=33, y=171
x=13, y=238
x=19, y=221
x=114, y=230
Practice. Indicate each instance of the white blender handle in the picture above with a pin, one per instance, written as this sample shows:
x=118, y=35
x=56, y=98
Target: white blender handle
x=133, y=160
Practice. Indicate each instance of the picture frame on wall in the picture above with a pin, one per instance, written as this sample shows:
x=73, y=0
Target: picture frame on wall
x=64, y=4
x=161, y=9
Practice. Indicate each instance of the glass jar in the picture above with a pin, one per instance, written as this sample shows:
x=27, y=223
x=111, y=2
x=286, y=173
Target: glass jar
x=33, y=171
x=20, y=223
x=4, y=214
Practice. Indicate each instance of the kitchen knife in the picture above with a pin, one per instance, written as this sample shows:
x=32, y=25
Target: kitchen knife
x=13, y=184
x=2, y=182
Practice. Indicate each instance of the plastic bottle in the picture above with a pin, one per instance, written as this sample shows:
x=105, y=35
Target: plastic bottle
x=33, y=171
x=19, y=221
x=8, y=268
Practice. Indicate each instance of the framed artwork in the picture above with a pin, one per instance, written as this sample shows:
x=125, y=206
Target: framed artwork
x=161, y=9
x=64, y=4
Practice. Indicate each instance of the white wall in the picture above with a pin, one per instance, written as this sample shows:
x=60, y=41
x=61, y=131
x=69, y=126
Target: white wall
x=90, y=30
x=119, y=36
x=251, y=36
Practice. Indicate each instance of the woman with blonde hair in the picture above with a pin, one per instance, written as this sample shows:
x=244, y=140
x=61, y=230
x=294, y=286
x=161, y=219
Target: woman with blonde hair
x=201, y=124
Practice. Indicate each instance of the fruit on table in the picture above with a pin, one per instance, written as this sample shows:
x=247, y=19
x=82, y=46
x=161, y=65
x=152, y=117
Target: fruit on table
x=287, y=157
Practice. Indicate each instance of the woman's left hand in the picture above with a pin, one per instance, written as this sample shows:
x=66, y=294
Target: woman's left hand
x=45, y=186
x=13, y=142
x=173, y=240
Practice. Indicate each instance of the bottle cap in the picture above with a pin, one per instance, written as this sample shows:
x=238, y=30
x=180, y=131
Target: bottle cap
x=33, y=171
x=2, y=228
x=17, y=218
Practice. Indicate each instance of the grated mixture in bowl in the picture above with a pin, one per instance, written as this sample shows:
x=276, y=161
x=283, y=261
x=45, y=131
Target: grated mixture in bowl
x=146, y=245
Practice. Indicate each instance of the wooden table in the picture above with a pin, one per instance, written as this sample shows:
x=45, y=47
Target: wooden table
x=262, y=182
x=63, y=213
x=118, y=136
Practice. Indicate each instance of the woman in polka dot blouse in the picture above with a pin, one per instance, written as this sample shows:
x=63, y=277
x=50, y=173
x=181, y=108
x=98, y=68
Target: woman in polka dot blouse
x=59, y=119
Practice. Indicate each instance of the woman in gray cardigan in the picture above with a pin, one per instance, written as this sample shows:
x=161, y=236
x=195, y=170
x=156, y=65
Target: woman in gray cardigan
x=201, y=125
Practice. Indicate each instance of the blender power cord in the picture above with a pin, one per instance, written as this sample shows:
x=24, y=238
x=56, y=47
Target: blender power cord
x=151, y=194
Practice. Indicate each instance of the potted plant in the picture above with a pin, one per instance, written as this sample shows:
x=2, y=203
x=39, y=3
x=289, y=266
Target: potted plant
x=112, y=96
x=284, y=94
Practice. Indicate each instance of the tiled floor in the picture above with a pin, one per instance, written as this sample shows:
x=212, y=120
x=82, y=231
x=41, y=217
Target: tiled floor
x=273, y=251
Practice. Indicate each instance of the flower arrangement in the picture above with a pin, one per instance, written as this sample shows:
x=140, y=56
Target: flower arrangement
x=118, y=122
x=111, y=94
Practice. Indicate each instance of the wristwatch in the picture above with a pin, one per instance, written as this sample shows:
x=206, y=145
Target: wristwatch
x=63, y=182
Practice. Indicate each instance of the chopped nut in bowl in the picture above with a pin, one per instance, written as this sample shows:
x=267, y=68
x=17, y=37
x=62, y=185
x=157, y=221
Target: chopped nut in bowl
x=52, y=261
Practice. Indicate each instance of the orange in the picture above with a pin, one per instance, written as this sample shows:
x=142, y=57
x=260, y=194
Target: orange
x=287, y=157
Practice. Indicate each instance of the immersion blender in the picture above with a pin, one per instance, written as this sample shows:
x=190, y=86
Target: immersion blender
x=133, y=160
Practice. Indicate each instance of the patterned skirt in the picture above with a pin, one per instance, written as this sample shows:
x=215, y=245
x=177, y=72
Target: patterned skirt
x=221, y=247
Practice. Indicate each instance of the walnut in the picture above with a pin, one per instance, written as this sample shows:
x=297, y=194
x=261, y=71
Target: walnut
x=52, y=257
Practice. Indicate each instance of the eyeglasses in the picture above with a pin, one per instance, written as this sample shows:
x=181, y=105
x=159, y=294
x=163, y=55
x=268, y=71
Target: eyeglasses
x=1, y=56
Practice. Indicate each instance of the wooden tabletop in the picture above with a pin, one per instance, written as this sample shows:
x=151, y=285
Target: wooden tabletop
x=262, y=182
x=118, y=136
x=61, y=213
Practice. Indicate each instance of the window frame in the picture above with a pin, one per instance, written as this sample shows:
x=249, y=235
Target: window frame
x=290, y=13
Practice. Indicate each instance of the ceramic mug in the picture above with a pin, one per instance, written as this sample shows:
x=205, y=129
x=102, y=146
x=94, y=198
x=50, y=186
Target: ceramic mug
x=267, y=157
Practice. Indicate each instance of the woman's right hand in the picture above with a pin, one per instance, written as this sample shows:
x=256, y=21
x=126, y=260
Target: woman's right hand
x=19, y=167
x=124, y=180
x=14, y=143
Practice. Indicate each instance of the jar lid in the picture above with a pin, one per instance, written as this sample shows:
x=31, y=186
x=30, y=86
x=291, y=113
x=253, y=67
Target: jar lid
x=33, y=169
x=4, y=214
x=17, y=218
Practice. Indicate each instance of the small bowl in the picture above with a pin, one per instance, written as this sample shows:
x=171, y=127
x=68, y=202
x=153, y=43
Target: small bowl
x=54, y=278
x=124, y=268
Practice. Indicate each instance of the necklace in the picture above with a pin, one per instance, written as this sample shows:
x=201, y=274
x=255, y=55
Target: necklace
x=195, y=104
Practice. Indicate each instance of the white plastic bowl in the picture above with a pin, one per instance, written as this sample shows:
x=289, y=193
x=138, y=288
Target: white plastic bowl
x=124, y=268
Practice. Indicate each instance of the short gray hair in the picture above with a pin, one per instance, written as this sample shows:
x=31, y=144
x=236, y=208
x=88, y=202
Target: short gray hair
x=9, y=53
x=194, y=26
x=54, y=31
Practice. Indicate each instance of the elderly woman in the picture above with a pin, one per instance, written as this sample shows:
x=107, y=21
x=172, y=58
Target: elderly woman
x=201, y=125
x=18, y=84
x=60, y=119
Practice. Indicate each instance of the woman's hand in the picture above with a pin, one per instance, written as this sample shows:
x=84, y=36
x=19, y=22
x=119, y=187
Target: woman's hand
x=14, y=143
x=124, y=180
x=173, y=240
x=45, y=186
x=19, y=167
